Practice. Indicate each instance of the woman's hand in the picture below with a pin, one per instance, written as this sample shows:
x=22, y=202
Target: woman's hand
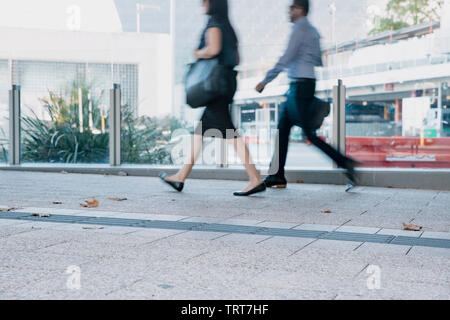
x=198, y=54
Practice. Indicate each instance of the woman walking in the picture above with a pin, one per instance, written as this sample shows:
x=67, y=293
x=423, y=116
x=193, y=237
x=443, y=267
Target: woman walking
x=218, y=40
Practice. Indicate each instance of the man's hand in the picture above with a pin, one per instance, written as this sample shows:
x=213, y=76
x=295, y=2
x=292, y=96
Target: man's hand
x=260, y=87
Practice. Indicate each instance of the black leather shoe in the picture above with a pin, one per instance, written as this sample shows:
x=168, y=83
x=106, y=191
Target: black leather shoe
x=275, y=182
x=351, y=175
x=176, y=185
x=258, y=189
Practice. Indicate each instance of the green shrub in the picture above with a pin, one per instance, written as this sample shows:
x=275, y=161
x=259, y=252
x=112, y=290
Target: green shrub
x=61, y=140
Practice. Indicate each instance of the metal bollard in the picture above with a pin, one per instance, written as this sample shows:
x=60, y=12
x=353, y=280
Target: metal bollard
x=221, y=153
x=114, y=125
x=339, y=100
x=14, y=125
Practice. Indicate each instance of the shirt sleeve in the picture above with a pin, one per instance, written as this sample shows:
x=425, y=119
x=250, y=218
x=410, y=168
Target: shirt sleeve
x=291, y=51
x=213, y=22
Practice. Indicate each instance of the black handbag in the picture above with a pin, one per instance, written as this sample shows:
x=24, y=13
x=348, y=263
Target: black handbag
x=315, y=114
x=320, y=110
x=206, y=80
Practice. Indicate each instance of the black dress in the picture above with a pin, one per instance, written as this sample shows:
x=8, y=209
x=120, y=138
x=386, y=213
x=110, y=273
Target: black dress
x=217, y=114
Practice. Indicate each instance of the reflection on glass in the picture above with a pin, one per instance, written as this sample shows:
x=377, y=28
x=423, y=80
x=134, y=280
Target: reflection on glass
x=258, y=123
x=4, y=110
x=395, y=65
x=148, y=140
x=397, y=80
x=65, y=111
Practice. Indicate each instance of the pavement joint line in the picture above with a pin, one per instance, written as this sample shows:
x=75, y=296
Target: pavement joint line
x=356, y=276
x=358, y=246
x=221, y=236
x=265, y=239
x=343, y=224
x=407, y=252
x=233, y=229
x=297, y=251
x=194, y=257
x=391, y=239
x=163, y=238
x=124, y=286
x=55, y=244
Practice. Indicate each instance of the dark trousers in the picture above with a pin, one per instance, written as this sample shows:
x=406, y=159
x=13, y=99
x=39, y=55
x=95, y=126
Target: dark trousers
x=297, y=112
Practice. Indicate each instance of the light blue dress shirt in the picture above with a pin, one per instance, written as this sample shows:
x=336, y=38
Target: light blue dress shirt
x=302, y=54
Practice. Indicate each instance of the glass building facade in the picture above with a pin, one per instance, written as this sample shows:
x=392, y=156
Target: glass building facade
x=397, y=84
x=4, y=111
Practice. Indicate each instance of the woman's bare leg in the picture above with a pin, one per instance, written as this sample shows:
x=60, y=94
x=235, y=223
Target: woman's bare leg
x=244, y=156
x=185, y=171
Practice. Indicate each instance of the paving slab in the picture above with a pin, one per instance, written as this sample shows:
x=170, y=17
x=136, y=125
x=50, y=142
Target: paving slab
x=155, y=233
x=201, y=235
x=358, y=229
x=242, y=238
x=398, y=232
x=274, y=224
x=340, y=245
x=426, y=251
x=175, y=264
x=290, y=242
x=11, y=223
x=435, y=235
x=383, y=248
x=202, y=220
x=317, y=227
x=241, y=222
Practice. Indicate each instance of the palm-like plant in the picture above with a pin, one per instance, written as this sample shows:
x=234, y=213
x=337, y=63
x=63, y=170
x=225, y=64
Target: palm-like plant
x=3, y=147
x=66, y=139
x=145, y=139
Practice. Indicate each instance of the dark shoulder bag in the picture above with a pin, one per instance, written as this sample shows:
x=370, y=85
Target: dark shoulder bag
x=320, y=110
x=206, y=80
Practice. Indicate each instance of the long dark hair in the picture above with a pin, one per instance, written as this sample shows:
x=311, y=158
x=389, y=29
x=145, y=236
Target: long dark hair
x=219, y=10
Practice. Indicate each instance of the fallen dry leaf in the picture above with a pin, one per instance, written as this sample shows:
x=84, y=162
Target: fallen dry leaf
x=93, y=228
x=117, y=199
x=300, y=181
x=90, y=204
x=42, y=215
x=326, y=211
x=10, y=209
x=411, y=227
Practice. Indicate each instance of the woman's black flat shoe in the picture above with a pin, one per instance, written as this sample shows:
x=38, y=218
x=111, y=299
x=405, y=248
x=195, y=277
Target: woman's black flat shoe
x=261, y=188
x=176, y=185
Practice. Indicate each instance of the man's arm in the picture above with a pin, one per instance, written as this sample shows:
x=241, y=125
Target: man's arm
x=289, y=55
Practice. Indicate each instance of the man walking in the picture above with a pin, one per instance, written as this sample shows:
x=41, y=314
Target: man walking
x=301, y=56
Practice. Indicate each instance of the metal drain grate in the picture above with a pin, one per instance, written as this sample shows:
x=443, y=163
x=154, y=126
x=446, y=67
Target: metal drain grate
x=228, y=228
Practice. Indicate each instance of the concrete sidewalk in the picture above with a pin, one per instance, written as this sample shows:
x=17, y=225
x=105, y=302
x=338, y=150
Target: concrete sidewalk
x=118, y=262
